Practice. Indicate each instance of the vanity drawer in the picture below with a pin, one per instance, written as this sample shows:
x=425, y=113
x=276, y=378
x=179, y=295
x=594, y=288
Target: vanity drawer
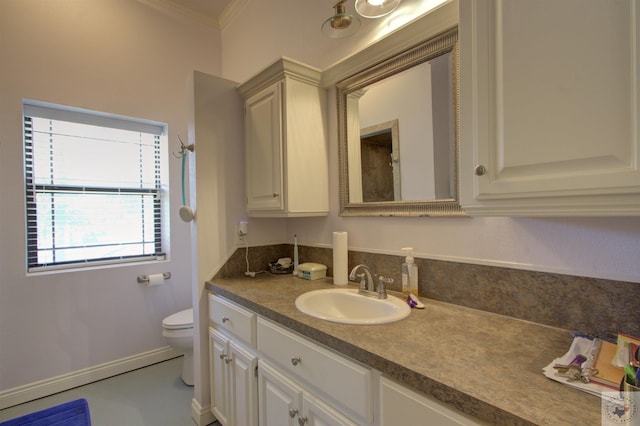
x=347, y=383
x=228, y=316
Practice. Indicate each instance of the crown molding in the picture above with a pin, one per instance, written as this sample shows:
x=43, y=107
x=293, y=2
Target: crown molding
x=230, y=12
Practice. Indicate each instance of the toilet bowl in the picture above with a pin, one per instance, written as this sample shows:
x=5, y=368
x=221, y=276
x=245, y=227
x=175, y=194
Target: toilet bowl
x=177, y=330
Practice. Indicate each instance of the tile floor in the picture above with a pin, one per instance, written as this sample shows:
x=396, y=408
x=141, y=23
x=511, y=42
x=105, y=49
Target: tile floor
x=150, y=396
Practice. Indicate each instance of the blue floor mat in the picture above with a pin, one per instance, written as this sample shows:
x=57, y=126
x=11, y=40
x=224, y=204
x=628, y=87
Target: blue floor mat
x=72, y=413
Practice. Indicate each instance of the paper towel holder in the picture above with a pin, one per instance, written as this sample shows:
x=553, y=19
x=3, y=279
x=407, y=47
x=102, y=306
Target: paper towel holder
x=142, y=279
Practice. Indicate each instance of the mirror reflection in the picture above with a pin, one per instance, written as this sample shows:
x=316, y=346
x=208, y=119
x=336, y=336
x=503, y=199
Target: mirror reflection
x=398, y=134
x=415, y=106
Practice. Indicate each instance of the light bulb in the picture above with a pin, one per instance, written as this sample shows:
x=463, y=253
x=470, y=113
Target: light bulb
x=376, y=8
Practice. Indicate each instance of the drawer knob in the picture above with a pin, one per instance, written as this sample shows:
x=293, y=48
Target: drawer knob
x=276, y=195
x=222, y=356
x=302, y=420
x=293, y=412
x=225, y=319
x=480, y=170
x=227, y=360
x=296, y=360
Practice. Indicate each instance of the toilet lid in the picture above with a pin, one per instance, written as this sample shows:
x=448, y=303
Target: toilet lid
x=179, y=320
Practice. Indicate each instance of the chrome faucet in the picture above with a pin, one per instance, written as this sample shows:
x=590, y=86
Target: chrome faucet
x=366, y=282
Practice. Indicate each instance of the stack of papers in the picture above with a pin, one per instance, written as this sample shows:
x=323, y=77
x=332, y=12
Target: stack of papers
x=579, y=346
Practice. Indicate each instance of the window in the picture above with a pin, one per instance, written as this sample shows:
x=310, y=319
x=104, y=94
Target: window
x=94, y=188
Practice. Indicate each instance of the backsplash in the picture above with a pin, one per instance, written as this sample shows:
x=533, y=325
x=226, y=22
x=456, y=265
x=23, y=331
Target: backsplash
x=589, y=305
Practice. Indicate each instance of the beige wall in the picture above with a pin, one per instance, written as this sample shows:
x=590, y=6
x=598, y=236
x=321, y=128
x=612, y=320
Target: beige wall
x=116, y=56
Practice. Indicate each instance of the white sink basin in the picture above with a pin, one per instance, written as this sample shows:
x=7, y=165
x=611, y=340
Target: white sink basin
x=348, y=307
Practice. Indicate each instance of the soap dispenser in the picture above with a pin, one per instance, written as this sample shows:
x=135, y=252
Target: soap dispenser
x=409, y=273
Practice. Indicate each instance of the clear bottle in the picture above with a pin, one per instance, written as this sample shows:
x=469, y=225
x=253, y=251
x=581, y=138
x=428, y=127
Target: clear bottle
x=409, y=273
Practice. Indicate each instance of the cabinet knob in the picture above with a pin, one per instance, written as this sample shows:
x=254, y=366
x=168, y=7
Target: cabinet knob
x=222, y=356
x=296, y=360
x=293, y=412
x=225, y=319
x=276, y=195
x=302, y=420
x=228, y=360
x=480, y=170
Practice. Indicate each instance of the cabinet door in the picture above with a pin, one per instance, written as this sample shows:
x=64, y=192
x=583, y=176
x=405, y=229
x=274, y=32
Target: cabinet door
x=280, y=399
x=549, y=107
x=317, y=413
x=219, y=380
x=263, y=149
x=244, y=386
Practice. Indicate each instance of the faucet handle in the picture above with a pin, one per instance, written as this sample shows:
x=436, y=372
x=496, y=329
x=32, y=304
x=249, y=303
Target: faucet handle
x=363, y=280
x=382, y=292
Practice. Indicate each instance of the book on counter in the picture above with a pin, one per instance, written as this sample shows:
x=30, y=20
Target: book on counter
x=603, y=357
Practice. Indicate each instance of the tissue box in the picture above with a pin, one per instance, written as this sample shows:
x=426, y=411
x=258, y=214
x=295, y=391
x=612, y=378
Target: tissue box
x=312, y=271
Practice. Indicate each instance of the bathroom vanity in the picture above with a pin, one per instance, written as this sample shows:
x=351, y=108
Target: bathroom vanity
x=445, y=364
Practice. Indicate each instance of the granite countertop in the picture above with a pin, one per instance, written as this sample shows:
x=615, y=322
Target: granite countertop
x=484, y=364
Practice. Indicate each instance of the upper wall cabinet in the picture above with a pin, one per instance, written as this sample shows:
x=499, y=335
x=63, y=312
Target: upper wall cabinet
x=286, y=153
x=549, y=107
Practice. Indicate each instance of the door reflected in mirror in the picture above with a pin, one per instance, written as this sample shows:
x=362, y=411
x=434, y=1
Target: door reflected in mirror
x=379, y=165
x=398, y=134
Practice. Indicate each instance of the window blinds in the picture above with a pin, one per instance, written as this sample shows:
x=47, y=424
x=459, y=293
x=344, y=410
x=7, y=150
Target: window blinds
x=93, y=188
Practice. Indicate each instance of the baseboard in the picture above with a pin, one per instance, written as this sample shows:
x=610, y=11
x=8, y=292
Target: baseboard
x=42, y=388
x=200, y=415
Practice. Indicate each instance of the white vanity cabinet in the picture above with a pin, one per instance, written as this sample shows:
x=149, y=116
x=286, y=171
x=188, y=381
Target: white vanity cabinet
x=265, y=374
x=327, y=385
x=401, y=405
x=233, y=363
x=286, y=150
x=549, y=115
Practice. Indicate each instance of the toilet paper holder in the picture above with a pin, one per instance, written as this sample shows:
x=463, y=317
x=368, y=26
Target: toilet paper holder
x=142, y=279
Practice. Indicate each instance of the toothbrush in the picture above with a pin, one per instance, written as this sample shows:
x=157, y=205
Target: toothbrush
x=295, y=254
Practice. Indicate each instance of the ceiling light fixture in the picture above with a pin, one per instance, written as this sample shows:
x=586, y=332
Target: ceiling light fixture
x=376, y=8
x=341, y=24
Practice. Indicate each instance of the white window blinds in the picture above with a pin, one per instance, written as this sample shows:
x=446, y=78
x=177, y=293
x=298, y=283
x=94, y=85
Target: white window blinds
x=93, y=188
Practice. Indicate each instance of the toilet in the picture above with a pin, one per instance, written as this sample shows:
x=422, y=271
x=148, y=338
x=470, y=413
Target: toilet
x=177, y=330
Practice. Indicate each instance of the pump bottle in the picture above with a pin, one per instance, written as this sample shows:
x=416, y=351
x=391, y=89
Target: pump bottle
x=409, y=273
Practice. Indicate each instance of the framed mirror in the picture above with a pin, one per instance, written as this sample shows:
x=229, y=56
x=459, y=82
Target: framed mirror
x=398, y=143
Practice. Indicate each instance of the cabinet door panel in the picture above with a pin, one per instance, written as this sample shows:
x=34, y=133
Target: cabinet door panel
x=318, y=413
x=244, y=396
x=219, y=381
x=263, y=127
x=562, y=97
x=278, y=397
